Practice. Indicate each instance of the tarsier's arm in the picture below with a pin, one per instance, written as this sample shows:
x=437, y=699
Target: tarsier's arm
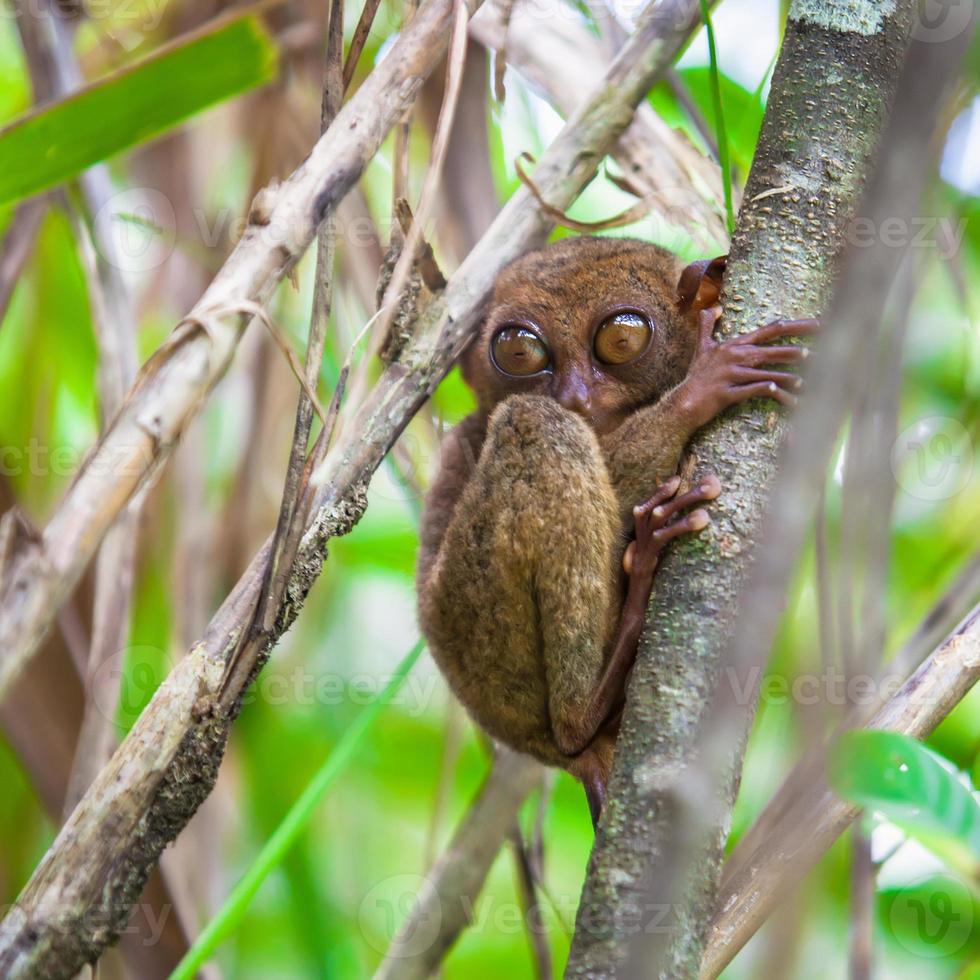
x=459, y=453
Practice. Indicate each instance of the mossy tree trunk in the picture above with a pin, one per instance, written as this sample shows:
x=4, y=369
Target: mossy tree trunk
x=830, y=97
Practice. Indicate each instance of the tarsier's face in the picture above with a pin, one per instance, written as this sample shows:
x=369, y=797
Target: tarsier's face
x=590, y=322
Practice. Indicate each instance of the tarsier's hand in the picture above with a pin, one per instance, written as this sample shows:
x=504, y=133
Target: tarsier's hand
x=729, y=372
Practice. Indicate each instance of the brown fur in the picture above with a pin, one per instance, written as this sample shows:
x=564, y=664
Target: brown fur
x=520, y=573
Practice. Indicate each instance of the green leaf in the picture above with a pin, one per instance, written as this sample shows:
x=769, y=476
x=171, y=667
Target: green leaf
x=914, y=788
x=743, y=111
x=129, y=107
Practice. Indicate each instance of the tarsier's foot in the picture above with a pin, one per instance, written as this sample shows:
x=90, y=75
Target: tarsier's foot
x=733, y=371
x=592, y=768
x=662, y=518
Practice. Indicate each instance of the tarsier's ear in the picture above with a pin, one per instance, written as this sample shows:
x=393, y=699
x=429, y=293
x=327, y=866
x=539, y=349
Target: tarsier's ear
x=700, y=284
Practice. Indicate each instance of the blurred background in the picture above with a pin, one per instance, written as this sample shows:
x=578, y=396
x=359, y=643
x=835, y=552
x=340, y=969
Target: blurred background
x=177, y=205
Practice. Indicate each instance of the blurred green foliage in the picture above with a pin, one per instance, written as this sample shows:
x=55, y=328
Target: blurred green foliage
x=140, y=102
x=331, y=906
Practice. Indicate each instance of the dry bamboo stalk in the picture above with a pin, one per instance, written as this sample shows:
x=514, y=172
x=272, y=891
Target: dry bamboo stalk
x=680, y=185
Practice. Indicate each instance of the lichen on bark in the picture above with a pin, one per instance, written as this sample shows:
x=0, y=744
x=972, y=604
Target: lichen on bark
x=829, y=100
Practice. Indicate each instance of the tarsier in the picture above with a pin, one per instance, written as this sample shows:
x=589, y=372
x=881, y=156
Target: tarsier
x=593, y=367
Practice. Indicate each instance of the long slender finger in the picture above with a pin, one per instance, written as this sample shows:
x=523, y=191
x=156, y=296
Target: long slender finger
x=628, y=558
x=755, y=354
x=665, y=491
x=760, y=389
x=780, y=328
x=697, y=520
x=708, y=489
x=706, y=325
x=785, y=379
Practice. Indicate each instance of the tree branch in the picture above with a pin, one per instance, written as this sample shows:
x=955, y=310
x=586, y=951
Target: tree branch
x=658, y=162
x=444, y=906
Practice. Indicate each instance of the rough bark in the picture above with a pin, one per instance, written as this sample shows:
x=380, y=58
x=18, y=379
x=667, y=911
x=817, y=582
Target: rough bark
x=80, y=894
x=830, y=96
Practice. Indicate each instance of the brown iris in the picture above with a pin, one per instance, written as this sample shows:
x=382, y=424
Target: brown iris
x=519, y=351
x=622, y=337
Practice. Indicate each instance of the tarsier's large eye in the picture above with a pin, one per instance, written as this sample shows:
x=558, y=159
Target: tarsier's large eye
x=622, y=337
x=519, y=351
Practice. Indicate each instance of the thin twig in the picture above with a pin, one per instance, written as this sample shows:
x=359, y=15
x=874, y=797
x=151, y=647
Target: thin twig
x=630, y=216
x=527, y=890
x=444, y=906
x=292, y=515
x=429, y=269
x=440, y=143
x=361, y=32
x=861, y=956
x=17, y=245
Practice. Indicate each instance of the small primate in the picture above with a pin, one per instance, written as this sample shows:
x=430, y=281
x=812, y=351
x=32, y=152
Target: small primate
x=593, y=367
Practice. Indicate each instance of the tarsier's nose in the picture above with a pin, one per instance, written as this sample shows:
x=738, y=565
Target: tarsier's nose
x=573, y=392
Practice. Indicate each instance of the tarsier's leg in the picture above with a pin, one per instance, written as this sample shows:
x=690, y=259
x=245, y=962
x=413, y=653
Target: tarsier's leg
x=523, y=594
x=530, y=564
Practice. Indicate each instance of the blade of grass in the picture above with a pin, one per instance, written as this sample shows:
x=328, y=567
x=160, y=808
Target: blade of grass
x=285, y=835
x=229, y=55
x=724, y=158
